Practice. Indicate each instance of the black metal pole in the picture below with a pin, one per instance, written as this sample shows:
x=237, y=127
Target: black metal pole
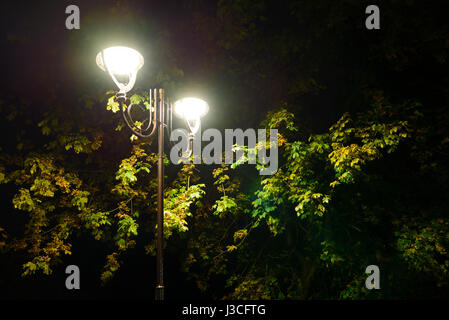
x=160, y=201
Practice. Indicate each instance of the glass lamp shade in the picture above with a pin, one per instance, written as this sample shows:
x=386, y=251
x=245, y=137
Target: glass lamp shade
x=190, y=108
x=120, y=60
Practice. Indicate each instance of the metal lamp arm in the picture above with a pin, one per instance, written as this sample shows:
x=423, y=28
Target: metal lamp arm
x=151, y=118
x=193, y=130
x=195, y=126
x=189, y=151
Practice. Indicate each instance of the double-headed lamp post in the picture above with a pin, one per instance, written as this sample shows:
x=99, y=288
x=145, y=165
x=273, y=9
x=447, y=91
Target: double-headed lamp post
x=124, y=63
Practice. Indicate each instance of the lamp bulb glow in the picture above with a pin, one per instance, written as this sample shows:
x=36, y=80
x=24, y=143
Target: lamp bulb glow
x=120, y=60
x=191, y=108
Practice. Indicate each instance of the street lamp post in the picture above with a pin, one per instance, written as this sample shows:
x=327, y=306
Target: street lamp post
x=126, y=62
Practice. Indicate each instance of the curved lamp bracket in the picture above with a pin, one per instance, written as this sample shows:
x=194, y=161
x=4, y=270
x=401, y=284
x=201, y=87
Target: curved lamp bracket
x=145, y=126
x=194, y=125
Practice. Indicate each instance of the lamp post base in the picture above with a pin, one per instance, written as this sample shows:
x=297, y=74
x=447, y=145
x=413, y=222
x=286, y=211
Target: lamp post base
x=159, y=293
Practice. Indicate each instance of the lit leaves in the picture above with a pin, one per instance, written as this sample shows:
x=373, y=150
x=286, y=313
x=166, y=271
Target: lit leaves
x=224, y=204
x=43, y=188
x=23, y=201
x=355, y=143
x=310, y=202
x=95, y=221
x=112, y=265
x=178, y=203
x=126, y=174
x=314, y=168
x=80, y=199
x=240, y=234
x=78, y=143
x=40, y=263
x=136, y=99
x=130, y=167
x=281, y=118
x=112, y=104
x=127, y=228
